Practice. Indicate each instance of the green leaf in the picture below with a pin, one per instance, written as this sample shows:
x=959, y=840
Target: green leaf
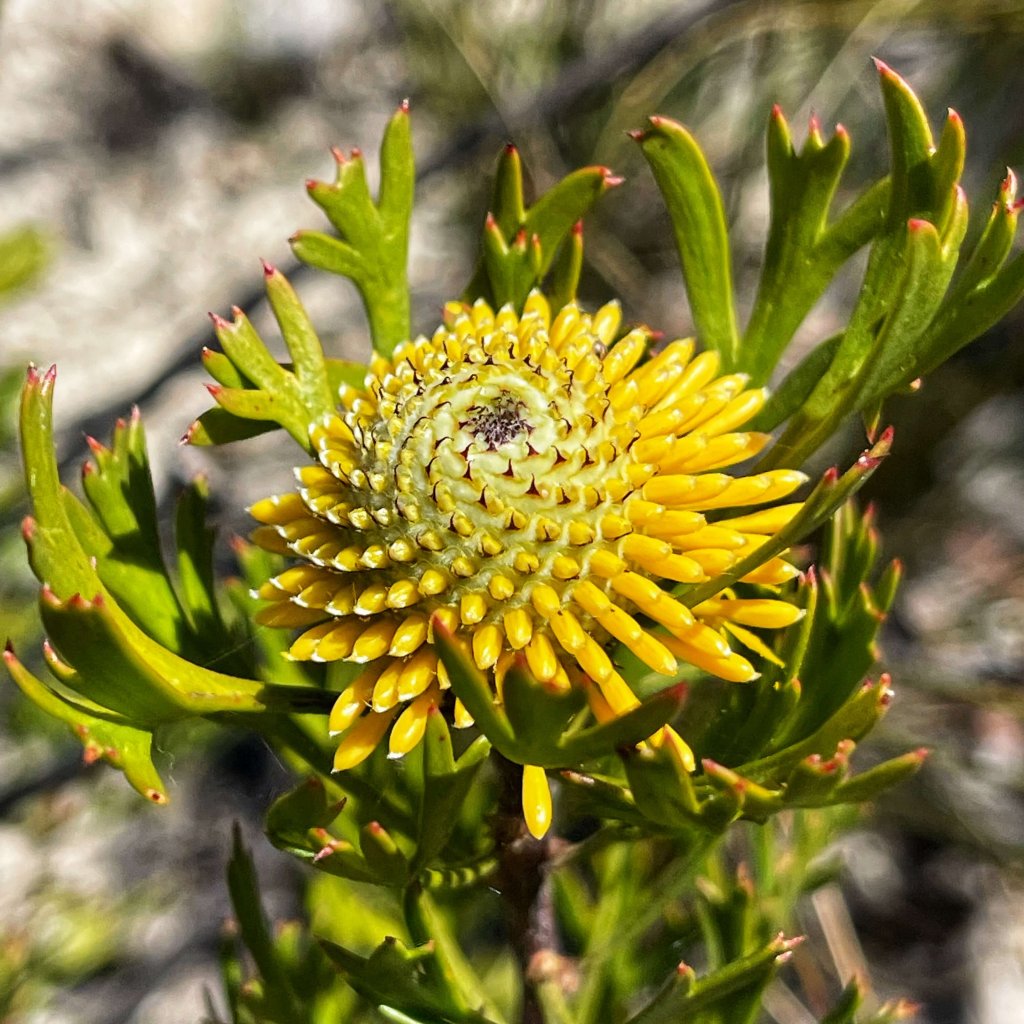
x=909, y=269
x=685, y=997
x=396, y=977
x=373, y=244
x=853, y=720
x=116, y=663
x=217, y=426
x=308, y=363
x=802, y=255
x=446, y=784
x=116, y=741
x=277, y=992
x=520, y=245
x=698, y=220
x=624, y=730
x=452, y=971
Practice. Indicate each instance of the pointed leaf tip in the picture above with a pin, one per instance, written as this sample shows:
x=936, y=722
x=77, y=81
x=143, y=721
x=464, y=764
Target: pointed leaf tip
x=403, y=107
x=269, y=270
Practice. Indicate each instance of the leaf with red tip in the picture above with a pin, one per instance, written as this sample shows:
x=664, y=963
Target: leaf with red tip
x=698, y=219
x=117, y=742
x=373, y=238
x=730, y=993
x=804, y=251
x=521, y=245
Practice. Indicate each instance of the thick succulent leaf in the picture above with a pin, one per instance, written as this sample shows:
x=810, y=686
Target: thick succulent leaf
x=803, y=252
x=116, y=741
x=846, y=611
x=698, y=220
x=373, y=238
x=254, y=392
x=253, y=386
x=277, y=993
x=116, y=663
x=988, y=289
x=564, y=278
x=908, y=273
x=520, y=246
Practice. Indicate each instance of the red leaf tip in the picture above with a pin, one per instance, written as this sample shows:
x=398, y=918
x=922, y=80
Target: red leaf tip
x=403, y=107
x=269, y=270
x=636, y=134
x=882, y=67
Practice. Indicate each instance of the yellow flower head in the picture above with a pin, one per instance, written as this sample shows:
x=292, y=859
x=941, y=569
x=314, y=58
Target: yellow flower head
x=536, y=488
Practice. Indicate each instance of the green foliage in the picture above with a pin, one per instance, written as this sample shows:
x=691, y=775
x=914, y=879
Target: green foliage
x=521, y=246
x=911, y=313
x=372, y=244
x=253, y=392
x=121, y=632
x=669, y=851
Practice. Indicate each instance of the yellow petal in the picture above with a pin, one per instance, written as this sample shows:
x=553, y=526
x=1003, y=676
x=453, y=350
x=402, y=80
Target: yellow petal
x=372, y=643
x=417, y=674
x=462, y=718
x=407, y=732
x=763, y=613
x=733, y=667
x=541, y=658
x=361, y=740
x=487, y=644
x=536, y=801
x=351, y=702
x=409, y=636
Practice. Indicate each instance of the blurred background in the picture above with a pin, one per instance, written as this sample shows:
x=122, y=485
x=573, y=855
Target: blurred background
x=150, y=152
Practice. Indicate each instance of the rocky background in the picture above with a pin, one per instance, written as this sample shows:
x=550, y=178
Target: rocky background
x=161, y=148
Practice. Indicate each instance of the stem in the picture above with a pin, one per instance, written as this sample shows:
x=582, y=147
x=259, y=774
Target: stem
x=523, y=864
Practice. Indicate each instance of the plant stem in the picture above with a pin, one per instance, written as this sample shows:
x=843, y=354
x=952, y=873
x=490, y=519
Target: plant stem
x=527, y=892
